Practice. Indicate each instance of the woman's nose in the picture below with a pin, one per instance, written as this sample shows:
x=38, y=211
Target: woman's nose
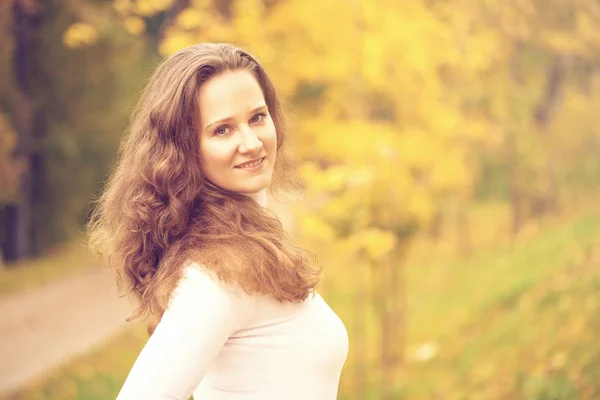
x=250, y=142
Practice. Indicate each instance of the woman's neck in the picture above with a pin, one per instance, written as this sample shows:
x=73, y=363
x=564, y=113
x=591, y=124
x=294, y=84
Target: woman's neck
x=259, y=197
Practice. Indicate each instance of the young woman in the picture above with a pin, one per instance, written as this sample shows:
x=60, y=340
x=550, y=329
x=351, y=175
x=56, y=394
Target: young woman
x=183, y=220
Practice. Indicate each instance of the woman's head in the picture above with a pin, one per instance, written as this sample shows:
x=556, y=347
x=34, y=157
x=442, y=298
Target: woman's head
x=201, y=85
x=181, y=186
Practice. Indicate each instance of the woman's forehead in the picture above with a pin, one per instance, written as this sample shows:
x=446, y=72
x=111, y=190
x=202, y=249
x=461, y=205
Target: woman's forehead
x=229, y=94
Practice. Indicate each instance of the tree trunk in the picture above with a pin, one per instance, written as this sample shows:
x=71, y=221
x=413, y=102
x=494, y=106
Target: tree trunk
x=435, y=228
x=515, y=191
x=548, y=201
x=359, y=330
x=463, y=228
x=387, y=335
x=517, y=194
x=18, y=216
x=393, y=321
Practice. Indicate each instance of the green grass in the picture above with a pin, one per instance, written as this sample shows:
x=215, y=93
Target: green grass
x=511, y=322
x=58, y=262
x=542, y=344
x=448, y=293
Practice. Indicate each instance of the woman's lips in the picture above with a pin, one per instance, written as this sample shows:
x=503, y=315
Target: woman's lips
x=252, y=165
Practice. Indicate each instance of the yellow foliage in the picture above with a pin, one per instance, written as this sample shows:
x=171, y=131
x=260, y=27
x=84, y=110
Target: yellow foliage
x=418, y=149
x=123, y=7
x=175, y=41
x=134, y=25
x=377, y=243
x=310, y=225
x=451, y=172
x=337, y=176
x=587, y=29
x=189, y=18
x=339, y=210
x=246, y=16
x=79, y=35
x=148, y=8
x=418, y=204
x=563, y=43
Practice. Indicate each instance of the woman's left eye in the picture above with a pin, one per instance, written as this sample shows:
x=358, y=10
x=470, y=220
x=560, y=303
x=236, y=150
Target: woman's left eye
x=257, y=118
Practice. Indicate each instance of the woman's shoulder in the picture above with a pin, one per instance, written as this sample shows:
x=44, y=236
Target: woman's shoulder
x=197, y=277
x=200, y=288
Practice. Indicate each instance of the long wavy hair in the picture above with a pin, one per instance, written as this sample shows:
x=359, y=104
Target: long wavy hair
x=159, y=213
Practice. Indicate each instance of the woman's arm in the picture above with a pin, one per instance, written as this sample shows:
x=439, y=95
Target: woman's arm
x=202, y=314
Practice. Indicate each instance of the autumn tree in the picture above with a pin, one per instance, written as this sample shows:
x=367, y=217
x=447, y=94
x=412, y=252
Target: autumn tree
x=69, y=90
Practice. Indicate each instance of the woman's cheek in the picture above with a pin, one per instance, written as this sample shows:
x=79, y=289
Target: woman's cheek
x=225, y=150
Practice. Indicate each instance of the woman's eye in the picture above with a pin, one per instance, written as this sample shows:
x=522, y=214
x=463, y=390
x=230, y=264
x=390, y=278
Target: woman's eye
x=257, y=118
x=221, y=130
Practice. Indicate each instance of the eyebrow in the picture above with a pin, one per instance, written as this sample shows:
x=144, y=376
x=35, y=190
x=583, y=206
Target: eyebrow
x=220, y=121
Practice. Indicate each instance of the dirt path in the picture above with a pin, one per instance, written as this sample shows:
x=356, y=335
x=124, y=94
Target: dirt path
x=43, y=327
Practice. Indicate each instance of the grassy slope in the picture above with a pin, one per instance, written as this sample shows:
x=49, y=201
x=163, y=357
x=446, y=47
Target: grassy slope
x=511, y=323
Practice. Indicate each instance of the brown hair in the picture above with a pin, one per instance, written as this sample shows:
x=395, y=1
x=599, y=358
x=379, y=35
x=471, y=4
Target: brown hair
x=158, y=213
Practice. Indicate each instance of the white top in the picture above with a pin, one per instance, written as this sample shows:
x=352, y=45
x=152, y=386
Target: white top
x=218, y=343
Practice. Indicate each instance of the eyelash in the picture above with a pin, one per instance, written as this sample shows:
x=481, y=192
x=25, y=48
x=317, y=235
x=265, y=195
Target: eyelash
x=219, y=129
x=262, y=116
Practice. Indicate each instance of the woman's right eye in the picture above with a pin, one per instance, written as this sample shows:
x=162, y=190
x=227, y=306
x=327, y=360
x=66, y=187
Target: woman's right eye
x=221, y=130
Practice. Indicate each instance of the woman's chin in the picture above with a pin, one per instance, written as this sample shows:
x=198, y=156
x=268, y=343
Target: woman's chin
x=256, y=185
x=252, y=190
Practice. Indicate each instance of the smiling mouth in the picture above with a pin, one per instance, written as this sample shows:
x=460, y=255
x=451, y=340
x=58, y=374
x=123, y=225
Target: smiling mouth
x=251, y=164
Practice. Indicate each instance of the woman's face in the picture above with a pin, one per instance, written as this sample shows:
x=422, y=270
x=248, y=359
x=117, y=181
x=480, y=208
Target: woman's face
x=238, y=141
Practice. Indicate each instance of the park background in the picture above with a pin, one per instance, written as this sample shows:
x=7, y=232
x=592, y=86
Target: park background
x=451, y=156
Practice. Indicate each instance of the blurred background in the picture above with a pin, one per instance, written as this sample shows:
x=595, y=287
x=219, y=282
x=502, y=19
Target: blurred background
x=452, y=162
